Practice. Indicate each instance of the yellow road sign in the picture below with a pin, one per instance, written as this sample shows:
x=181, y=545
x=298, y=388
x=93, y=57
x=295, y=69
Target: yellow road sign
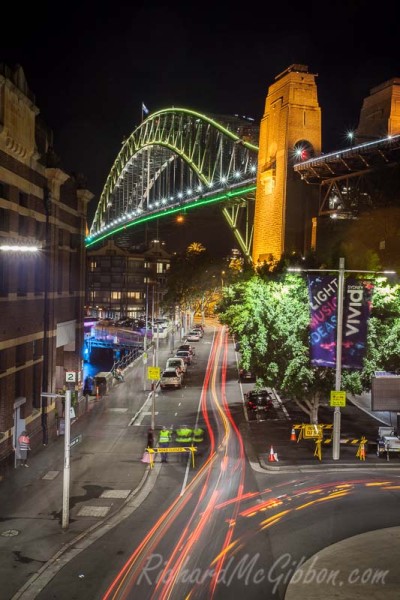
x=338, y=398
x=153, y=373
x=312, y=431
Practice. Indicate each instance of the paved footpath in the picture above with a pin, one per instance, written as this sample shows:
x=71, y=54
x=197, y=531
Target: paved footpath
x=32, y=541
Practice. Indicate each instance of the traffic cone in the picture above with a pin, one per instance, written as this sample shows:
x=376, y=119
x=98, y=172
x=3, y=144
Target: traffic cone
x=272, y=456
x=293, y=436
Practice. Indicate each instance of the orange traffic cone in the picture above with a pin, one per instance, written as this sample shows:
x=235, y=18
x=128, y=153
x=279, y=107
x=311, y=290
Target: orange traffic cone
x=293, y=435
x=272, y=456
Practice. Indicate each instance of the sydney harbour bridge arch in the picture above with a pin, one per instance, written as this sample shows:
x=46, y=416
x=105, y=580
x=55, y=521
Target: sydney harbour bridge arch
x=179, y=160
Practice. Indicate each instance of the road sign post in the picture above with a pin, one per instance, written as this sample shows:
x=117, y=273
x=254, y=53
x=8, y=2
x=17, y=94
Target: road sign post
x=153, y=373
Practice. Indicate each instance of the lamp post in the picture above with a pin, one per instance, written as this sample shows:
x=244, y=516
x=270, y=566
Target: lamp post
x=339, y=338
x=67, y=451
x=145, y=336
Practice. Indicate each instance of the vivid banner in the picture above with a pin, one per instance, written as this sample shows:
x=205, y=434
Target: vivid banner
x=322, y=291
x=357, y=297
x=356, y=311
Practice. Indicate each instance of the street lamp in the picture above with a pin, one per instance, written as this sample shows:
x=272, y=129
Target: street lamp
x=350, y=137
x=339, y=338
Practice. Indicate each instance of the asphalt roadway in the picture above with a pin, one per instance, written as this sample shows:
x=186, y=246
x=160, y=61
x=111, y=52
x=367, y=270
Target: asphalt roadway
x=33, y=545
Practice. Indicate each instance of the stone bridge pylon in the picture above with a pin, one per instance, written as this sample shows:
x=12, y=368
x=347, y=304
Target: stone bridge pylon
x=290, y=130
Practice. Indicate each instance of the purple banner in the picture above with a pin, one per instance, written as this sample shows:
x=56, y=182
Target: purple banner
x=356, y=311
x=322, y=291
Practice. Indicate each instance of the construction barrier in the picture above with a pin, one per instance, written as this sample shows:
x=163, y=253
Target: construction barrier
x=151, y=451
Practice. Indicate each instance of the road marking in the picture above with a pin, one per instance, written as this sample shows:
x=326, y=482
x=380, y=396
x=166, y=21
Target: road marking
x=284, y=409
x=51, y=475
x=94, y=511
x=115, y=494
x=138, y=422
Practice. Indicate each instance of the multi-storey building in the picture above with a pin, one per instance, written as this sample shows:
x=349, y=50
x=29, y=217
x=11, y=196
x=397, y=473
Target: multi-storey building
x=41, y=293
x=126, y=282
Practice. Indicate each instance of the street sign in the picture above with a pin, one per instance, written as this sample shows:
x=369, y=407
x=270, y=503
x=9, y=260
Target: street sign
x=153, y=373
x=70, y=376
x=76, y=440
x=338, y=398
x=312, y=431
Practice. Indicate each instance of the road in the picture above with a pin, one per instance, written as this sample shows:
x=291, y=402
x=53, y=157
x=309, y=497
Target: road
x=222, y=529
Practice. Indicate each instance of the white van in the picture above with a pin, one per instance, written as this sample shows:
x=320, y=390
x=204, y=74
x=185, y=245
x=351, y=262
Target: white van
x=176, y=363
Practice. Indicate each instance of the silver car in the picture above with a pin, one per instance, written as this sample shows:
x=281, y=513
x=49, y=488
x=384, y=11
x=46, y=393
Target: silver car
x=170, y=378
x=176, y=363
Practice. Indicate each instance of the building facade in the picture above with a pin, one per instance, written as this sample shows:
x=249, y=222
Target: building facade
x=41, y=293
x=125, y=282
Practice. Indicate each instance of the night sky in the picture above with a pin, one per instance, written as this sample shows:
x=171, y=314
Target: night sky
x=91, y=65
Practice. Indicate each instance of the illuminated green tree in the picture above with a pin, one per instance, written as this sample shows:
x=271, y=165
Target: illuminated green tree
x=271, y=317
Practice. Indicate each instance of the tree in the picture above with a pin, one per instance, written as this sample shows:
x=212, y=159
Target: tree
x=193, y=278
x=269, y=314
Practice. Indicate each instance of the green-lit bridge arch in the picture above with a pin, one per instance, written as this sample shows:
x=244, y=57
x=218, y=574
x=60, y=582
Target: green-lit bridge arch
x=180, y=159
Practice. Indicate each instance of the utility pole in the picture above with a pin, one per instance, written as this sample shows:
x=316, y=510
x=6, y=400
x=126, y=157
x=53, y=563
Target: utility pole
x=338, y=375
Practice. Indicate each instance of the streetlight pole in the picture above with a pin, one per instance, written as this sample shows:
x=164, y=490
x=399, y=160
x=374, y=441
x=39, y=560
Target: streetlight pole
x=153, y=386
x=67, y=451
x=338, y=374
x=145, y=336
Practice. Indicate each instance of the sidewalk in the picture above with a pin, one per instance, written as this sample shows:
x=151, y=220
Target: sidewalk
x=357, y=420
x=31, y=500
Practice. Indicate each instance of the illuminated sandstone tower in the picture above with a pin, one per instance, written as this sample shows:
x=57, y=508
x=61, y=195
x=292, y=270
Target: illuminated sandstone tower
x=285, y=205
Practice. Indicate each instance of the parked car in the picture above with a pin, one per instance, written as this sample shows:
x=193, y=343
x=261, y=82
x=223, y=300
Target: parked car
x=193, y=336
x=177, y=363
x=124, y=322
x=188, y=348
x=199, y=329
x=246, y=376
x=185, y=354
x=259, y=401
x=170, y=378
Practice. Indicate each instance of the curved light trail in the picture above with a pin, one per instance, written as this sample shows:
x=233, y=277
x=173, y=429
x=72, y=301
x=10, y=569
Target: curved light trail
x=215, y=518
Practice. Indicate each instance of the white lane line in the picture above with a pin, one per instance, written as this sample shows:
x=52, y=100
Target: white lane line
x=282, y=406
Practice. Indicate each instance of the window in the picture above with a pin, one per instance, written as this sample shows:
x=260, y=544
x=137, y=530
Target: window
x=24, y=199
x=4, y=190
x=115, y=295
x=134, y=295
x=19, y=384
x=92, y=264
x=3, y=276
x=3, y=361
x=4, y=218
x=22, y=278
x=38, y=269
x=37, y=349
x=23, y=225
x=20, y=355
x=39, y=231
x=160, y=267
